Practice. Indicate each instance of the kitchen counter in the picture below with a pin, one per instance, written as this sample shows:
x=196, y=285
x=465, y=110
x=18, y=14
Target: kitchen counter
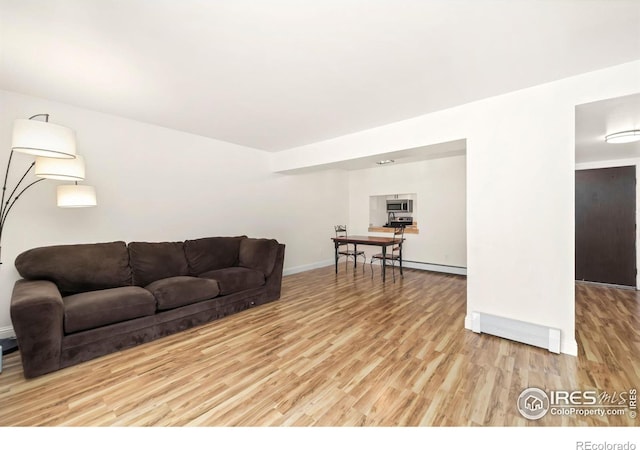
x=409, y=229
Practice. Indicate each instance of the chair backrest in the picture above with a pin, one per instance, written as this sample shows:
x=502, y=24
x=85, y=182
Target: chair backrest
x=398, y=233
x=341, y=230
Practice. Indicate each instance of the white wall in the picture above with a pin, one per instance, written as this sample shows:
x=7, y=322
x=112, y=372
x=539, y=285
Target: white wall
x=520, y=189
x=440, y=206
x=158, y=184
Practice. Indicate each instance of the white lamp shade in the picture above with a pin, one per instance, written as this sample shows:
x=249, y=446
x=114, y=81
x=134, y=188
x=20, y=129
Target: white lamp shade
x=623, y=137
x=60, y=169
x=76, y=196
x=43, y=139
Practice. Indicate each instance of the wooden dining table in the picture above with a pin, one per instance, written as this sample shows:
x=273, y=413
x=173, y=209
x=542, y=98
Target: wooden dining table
x=377, y=241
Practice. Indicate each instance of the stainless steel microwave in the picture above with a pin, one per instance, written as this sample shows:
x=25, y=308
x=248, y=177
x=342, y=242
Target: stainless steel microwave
x=401, y=206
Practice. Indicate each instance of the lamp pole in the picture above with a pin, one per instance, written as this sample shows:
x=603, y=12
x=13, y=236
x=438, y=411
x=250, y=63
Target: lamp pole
x=6, y=206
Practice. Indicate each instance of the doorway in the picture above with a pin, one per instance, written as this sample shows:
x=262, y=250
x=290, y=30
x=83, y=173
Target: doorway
x=605, y=225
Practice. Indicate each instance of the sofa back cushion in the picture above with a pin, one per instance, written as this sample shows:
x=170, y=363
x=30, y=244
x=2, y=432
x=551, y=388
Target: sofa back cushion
x=258, y=254
x=152, y=261
x=212, y=253
x=78, y=268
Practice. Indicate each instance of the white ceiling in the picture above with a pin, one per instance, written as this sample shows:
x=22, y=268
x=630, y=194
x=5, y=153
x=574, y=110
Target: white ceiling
x=595, y=120
x=278, y=74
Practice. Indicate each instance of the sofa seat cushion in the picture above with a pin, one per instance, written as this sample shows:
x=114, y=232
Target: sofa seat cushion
x=235, y=279
x=179, y=291
x=98, y=308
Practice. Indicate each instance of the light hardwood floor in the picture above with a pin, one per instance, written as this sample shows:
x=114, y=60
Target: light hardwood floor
x=338, y=350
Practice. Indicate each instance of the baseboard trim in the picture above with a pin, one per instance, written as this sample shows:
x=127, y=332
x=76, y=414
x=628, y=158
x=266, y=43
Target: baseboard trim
x=408, y=264
x=306, y=267
x=569, y=347
x=7, y=333
x=616, y=286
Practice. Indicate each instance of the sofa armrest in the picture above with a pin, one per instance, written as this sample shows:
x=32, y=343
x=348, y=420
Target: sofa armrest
x=37, y=314
x=274, y=280
x=258, y=254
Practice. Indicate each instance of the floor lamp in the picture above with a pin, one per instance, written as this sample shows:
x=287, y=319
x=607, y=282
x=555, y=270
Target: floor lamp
x=54, y=148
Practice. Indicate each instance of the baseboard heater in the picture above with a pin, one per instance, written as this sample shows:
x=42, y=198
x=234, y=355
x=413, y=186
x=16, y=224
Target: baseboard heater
x=516, y=330
x=456, y=270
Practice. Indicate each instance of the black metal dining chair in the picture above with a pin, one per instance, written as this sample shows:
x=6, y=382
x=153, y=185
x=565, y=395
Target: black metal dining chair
x=348, y=250
x=390, y=258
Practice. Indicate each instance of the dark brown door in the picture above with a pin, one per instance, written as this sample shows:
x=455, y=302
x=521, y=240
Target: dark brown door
x=606, y=225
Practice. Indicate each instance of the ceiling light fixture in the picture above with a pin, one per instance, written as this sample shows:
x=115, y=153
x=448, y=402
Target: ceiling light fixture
x=385, y=161
x=623, y=137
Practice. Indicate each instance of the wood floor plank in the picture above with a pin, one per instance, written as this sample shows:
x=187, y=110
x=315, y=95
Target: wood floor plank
x=339, y=350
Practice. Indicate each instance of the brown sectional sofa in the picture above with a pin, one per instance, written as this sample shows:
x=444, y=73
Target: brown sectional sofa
x=78, y=302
